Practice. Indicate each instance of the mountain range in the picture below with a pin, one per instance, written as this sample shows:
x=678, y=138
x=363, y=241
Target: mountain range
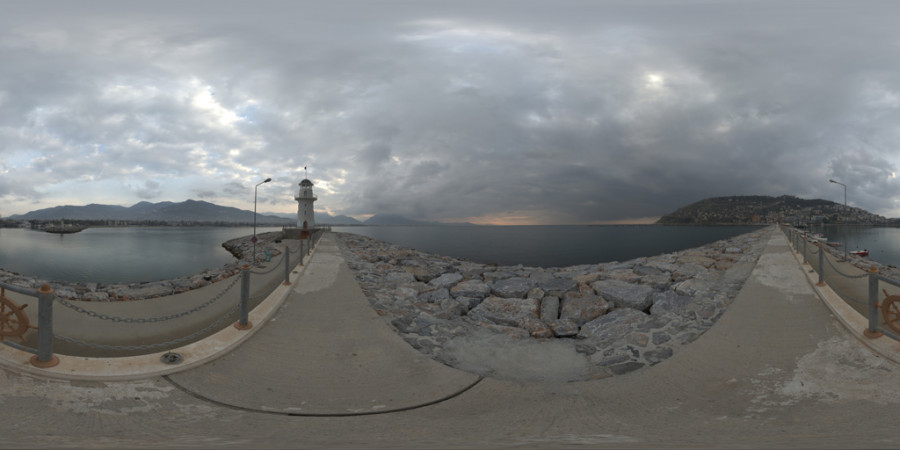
x=200, y=211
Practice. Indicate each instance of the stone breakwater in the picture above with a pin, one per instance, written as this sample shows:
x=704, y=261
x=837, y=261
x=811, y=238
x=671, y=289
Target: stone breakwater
x=97, y=292
x=610, y=318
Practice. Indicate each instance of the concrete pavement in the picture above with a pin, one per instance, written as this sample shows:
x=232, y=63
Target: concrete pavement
x=325, y=353
x=777, y=370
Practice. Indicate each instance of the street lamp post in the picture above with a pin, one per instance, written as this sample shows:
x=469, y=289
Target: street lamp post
x=253, y=260
x=845, y=214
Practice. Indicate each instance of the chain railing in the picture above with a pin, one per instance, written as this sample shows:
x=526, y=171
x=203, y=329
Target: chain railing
x=15, y=323
x=112, y=318
x=883, y=316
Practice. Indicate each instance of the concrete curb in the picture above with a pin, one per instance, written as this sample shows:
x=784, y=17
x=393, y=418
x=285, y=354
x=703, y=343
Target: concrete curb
x=79, y=368
x=852, y=320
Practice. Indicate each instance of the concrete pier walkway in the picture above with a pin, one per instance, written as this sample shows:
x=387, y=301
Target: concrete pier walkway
x=777, y=370
x=325, y=353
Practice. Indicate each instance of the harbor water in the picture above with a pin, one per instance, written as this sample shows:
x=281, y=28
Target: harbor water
x=138, y=254
x=549, y=246
x=118, y=255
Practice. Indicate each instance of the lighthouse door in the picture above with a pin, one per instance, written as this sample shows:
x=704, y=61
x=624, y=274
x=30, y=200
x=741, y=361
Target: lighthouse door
x=305, y=224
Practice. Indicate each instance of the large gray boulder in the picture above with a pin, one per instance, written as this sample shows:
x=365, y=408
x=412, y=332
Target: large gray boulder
x=515, y=287
x=549, y=308
x=445, y=281
x=557, y=286
x=563, y=327
x=582, y=308
x=506, y=311
x=669, y=302
x=471, y=288
x=397, y=278
x=424, y=273
x=497, y=275
x=614, y=325
x=625, y=295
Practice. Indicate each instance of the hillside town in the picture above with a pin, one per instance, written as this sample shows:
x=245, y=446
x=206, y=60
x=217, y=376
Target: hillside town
x=759, y=209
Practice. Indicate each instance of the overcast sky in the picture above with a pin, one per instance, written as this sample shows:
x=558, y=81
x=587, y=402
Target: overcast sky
x=508, y=112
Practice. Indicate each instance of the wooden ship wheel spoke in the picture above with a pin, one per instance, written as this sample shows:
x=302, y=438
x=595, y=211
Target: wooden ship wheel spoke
x=890, y=311
x=13, y=320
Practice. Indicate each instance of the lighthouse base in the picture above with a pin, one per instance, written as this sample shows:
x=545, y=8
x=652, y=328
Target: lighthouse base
x=297, y=233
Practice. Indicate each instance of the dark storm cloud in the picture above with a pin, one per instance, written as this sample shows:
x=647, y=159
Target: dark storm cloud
x=522, y=111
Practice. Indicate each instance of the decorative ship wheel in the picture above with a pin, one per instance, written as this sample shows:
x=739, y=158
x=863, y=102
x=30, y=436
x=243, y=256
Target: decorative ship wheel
x=13, y=321
x=890, y=310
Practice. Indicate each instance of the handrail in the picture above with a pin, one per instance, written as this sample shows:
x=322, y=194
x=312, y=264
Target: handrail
x=874, y=329
x=44, y=357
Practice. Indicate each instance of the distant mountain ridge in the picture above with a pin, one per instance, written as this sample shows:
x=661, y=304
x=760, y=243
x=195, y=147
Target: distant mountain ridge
x=749, y=209
x=201, y=212
x=186, y=211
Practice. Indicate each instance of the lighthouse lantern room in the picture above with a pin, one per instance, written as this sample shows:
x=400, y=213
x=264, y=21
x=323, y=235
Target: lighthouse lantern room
x=305, y=199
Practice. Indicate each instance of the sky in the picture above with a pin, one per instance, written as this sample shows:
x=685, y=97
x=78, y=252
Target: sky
x=488, y=111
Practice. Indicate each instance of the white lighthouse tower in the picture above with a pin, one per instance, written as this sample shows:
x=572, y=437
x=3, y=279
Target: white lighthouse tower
x=305, y=198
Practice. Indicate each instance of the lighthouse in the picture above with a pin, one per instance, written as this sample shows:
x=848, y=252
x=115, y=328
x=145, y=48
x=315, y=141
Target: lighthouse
x=305, y=199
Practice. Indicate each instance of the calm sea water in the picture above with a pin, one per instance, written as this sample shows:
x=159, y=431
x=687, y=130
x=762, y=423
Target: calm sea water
x=883, y=243
x=117, y=255
x=549, y=246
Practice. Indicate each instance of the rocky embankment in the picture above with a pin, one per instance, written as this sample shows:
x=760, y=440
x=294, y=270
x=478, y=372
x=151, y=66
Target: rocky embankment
x=604, y=319
x=98, y=292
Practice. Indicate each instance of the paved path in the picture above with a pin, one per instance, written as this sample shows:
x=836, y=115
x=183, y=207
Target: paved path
x=776, y=371
x=326, y=352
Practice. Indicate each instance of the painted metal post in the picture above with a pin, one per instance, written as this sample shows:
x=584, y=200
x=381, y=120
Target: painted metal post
x=872, y=331
x=804, y=252
x=287, y=266
x=301, y=252
x=244, y=322
x=821, y=265
x=45, y=357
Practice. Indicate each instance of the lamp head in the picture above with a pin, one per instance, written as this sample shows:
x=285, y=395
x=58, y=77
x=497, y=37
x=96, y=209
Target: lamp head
x=267, y=180
x=832, y=181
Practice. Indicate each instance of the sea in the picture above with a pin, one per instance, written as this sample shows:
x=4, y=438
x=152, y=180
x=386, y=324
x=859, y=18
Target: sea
x=139, y=254
x=550, y=246
x=118, y=255
x=883, y=243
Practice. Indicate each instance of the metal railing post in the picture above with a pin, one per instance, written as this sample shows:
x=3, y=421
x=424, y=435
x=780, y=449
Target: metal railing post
x=45, y=357
x=821, y=265
x=244, y=322
x=301, y=252
x=804, y=252
x=872, y=331
x=287, y=266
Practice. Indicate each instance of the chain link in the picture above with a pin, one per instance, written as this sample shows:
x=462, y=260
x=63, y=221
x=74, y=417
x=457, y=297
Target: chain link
x=842, y=273
x=101, y=316
x=172, y=343
x=846, y=297
x=271, y=269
